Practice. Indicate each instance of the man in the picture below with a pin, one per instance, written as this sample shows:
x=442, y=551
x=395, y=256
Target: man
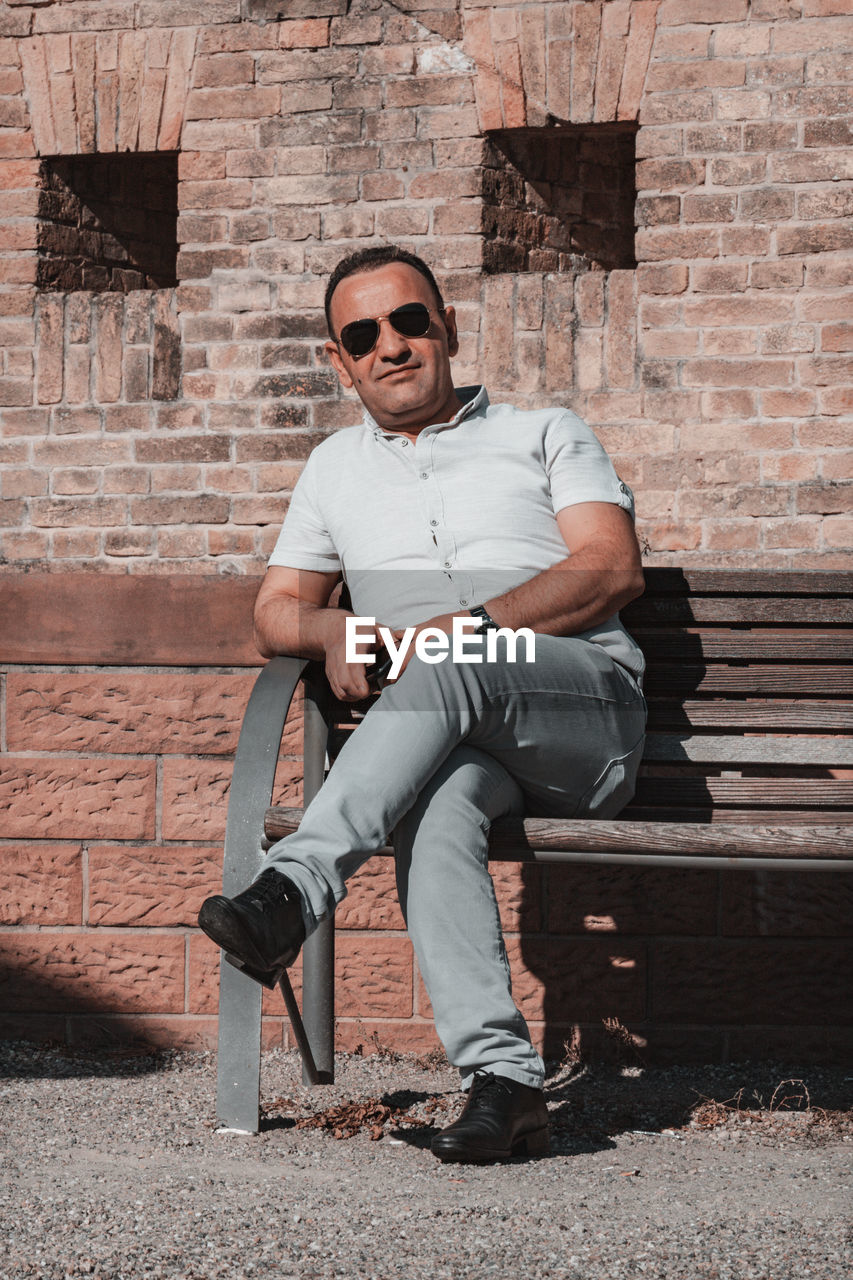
x=441, y=506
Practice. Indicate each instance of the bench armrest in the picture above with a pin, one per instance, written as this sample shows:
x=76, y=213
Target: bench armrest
x=254, y=768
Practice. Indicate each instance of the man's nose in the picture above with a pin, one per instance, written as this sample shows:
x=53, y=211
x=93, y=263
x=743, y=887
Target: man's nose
x=390, y=343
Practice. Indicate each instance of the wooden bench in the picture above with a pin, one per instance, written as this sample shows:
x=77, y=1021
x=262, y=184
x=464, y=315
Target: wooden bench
x=749, y=683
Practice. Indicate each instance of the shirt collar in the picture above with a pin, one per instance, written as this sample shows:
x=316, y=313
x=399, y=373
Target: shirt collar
x=475, y=400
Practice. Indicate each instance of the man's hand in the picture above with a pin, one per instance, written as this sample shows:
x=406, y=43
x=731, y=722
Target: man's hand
x=348, y=680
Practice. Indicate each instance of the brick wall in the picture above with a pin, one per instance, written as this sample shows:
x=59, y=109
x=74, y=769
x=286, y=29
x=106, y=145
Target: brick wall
x=158, y=433
x=302, y=138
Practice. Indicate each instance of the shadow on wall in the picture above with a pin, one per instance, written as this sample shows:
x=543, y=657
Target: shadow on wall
x=58, y=1023
x=656, y=966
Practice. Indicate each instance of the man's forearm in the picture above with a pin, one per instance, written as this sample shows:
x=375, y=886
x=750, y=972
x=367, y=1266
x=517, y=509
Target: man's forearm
x=574, y=595
x=296, y=627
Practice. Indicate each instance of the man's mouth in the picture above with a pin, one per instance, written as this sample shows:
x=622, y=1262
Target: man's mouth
x=403, y=368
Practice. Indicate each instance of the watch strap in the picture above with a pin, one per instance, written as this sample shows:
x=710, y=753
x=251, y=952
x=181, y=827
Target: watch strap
x=487, y=622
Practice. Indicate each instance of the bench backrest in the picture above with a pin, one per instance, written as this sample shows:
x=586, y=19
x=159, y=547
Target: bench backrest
x=750, y=689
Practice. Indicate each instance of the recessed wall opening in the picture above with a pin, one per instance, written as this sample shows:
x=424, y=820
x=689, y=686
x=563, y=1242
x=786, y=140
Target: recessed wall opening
x=559, y=198
x=108, y=223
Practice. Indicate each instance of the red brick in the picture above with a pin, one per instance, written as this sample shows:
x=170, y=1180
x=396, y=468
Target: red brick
x=371, y=901
x=309, y=33
x=373, y=976
x=815, y=33
x=664, y=174
x=737, y=373
x=838, y=531
x=67, y=513
x=787, y=404
x=828, y=133
x=736, y=310
x=640, y=40
x=709, y=208
x=128, y=713
x=62, y=972
x=658, y=142
x=224, y=69
x=673, y=13
x=837, y=337
x=667, y=108
x=586, y=27
x=82, y=544
x=240, y=103
x=152, y=886
x=652, y=211
x=77, y=799
x=836, y=400
x=662, y=279
x=41, y=884
x=659, y=243
x=195, y=795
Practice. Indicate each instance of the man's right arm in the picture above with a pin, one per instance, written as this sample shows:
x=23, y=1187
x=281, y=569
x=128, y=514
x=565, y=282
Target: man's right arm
x=292, y=616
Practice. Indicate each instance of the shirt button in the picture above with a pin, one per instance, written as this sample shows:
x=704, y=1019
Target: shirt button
x=463, y=602
x=405, y=442
x=447, y=564
x=434, y=523
x=425, y=475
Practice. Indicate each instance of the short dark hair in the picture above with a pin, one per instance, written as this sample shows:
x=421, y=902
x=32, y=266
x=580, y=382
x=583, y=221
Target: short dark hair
x=371, y=259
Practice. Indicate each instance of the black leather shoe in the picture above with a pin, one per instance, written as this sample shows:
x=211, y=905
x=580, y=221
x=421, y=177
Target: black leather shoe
x=260, y=930
x=502, y=1118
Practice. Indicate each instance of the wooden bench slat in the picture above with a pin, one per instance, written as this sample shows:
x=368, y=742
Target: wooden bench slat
x=748, y=646
x=667, y=580
x=756, y=679
x=510, y=835
x=707, y=814
x=830, y=717
x=809, y=793
x=768, y=609
x=758, y=749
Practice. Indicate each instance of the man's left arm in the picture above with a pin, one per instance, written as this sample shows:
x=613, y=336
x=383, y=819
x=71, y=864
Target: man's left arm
x=602, y=573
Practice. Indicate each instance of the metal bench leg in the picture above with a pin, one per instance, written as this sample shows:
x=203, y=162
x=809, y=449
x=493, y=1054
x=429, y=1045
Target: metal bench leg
x=239, y=1057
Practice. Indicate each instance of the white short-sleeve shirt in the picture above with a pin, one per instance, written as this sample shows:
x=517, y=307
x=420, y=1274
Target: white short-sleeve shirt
x=463, y=514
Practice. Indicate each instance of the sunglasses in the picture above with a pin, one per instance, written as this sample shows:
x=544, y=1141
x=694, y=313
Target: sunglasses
x=412, y=320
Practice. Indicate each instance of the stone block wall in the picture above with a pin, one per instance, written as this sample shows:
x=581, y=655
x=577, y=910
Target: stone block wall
x=114, y=782
x=155, y=434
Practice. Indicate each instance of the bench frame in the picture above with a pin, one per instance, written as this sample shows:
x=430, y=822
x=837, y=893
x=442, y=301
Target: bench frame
x=721, y=845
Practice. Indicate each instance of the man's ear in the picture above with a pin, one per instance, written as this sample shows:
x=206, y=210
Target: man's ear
x=450, y=326
x=331, y=349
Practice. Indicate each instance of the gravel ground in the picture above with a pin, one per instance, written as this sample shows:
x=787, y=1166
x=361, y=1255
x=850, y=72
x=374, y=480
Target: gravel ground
x=113, y=1168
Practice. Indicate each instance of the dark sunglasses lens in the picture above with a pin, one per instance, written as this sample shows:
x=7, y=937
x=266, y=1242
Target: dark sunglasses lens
x=411, y=320
x=360, y=336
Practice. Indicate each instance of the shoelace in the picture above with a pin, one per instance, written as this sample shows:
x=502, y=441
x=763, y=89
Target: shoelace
x=486, y=1087
x=267, y=892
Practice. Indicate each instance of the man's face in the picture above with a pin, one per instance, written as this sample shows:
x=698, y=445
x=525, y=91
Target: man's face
x=404, y=383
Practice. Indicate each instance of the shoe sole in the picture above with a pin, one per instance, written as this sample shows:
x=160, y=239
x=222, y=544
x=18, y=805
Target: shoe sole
x=217, y=920
x=535, y=1143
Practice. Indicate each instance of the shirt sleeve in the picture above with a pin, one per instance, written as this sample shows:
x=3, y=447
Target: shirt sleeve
x=305, y=541
x=578, y=468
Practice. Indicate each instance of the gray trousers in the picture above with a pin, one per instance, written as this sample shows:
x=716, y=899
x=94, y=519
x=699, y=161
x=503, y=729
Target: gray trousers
x=446, y=750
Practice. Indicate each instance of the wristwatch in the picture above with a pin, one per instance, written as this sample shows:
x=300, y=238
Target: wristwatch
x=487, y=622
